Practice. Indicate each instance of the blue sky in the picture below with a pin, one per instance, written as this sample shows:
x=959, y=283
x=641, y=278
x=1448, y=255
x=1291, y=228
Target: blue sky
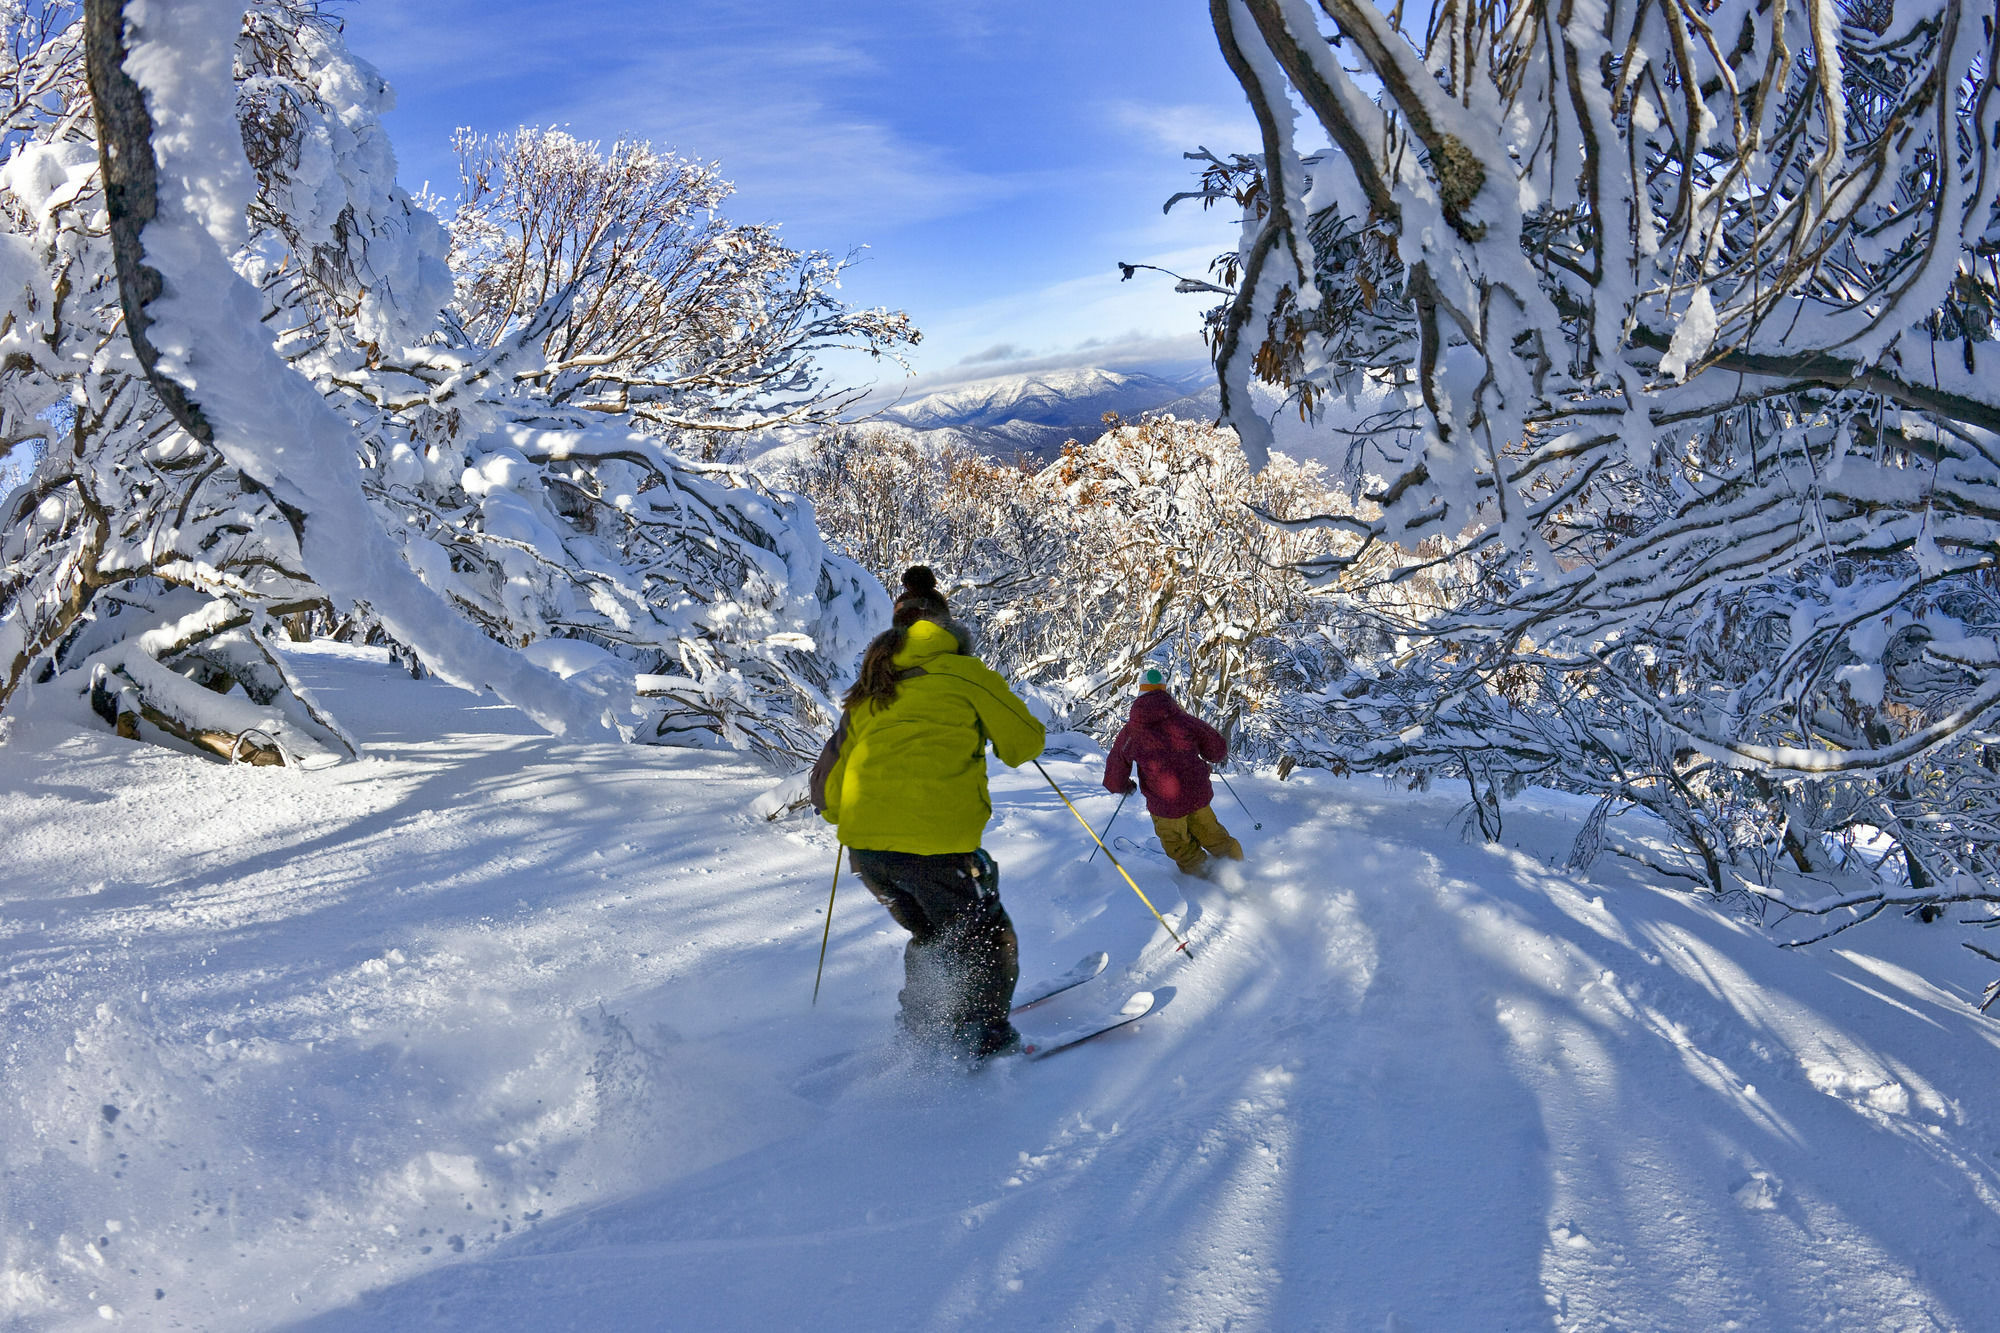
x=997, y=157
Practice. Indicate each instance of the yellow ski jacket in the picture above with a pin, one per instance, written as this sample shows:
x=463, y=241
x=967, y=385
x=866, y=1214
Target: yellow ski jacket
x=911, y=776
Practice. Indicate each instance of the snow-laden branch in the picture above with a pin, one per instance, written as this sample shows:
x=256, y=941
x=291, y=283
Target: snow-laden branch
x=1817, y=762
x=1683, y=326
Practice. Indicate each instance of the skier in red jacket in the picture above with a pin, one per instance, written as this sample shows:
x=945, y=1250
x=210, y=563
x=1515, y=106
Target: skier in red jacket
x=1173, y=750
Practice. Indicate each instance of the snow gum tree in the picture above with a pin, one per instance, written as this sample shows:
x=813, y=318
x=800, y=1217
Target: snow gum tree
x=129, y=545
x=696, y=326
x=1169, y=564
x=1692, y=307
x=1141, y=548
x=257, y=414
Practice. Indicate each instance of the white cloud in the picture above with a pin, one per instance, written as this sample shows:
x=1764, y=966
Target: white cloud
x=1103, y=322
x=997, y=352
x=796, y=157
x=763, y=103
x=1184, y=127
x=1093, y=304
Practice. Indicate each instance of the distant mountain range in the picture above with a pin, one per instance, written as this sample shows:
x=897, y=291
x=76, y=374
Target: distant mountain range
x=1037, y=414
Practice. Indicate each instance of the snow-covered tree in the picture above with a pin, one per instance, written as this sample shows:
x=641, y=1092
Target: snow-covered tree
x=676, y=317
x=124, y=549
x=1693, y=305
x=266, y=422
x=888, y=499
x=1141, y=548
x=1169, y=564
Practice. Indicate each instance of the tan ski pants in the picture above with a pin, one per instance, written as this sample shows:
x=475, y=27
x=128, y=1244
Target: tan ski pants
x=1191, y=839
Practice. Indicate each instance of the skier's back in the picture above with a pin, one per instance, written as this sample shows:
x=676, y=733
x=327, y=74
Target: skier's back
x=1172, y=750
x=904, y=781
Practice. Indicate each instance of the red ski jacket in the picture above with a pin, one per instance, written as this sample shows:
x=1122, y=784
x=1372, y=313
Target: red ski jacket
x=1173, y=749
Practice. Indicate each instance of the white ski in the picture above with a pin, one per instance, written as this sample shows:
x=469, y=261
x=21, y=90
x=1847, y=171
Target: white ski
x=1086, y=968
x=1135, y=1008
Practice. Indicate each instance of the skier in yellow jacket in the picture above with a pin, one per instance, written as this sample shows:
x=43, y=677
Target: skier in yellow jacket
x=904, y=780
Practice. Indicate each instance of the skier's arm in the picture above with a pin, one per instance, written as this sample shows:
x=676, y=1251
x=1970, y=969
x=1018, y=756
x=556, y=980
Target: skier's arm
x=826, y=772
x=1016, y=733
x=1208, y=741
x=1118, y=766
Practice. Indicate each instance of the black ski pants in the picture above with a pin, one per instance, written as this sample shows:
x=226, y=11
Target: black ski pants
x=963, y=958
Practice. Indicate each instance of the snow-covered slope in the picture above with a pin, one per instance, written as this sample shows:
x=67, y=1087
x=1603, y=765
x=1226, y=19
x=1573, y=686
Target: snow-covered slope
x=490, y=1030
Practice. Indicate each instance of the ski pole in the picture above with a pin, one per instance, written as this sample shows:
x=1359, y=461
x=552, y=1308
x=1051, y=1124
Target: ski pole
x=1239, y=800
x=1113, y=858
x=824, y=934
x=1107, y=827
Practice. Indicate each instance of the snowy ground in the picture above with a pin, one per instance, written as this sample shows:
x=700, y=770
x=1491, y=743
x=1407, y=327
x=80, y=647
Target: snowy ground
x=490, y=1031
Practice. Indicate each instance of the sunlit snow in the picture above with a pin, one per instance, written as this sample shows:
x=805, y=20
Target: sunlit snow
x=490, y=1029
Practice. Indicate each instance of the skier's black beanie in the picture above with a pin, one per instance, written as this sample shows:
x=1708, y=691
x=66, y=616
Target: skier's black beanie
x=920, y=597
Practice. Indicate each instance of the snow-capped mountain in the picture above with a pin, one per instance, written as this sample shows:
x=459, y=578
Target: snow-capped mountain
x=1038, y=413
x=1055, y=398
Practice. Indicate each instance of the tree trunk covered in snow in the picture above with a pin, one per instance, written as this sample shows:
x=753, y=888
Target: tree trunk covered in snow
x=131, y=195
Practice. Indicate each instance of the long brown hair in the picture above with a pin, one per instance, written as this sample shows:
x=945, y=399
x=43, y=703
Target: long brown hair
x=920, y=600
x=877, y=682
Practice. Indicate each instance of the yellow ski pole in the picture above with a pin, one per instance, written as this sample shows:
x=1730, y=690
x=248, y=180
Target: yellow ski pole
x=1113, y=858
x=824, y=934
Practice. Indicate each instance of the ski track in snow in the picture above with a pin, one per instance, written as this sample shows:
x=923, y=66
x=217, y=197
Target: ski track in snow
x=489, y=1030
